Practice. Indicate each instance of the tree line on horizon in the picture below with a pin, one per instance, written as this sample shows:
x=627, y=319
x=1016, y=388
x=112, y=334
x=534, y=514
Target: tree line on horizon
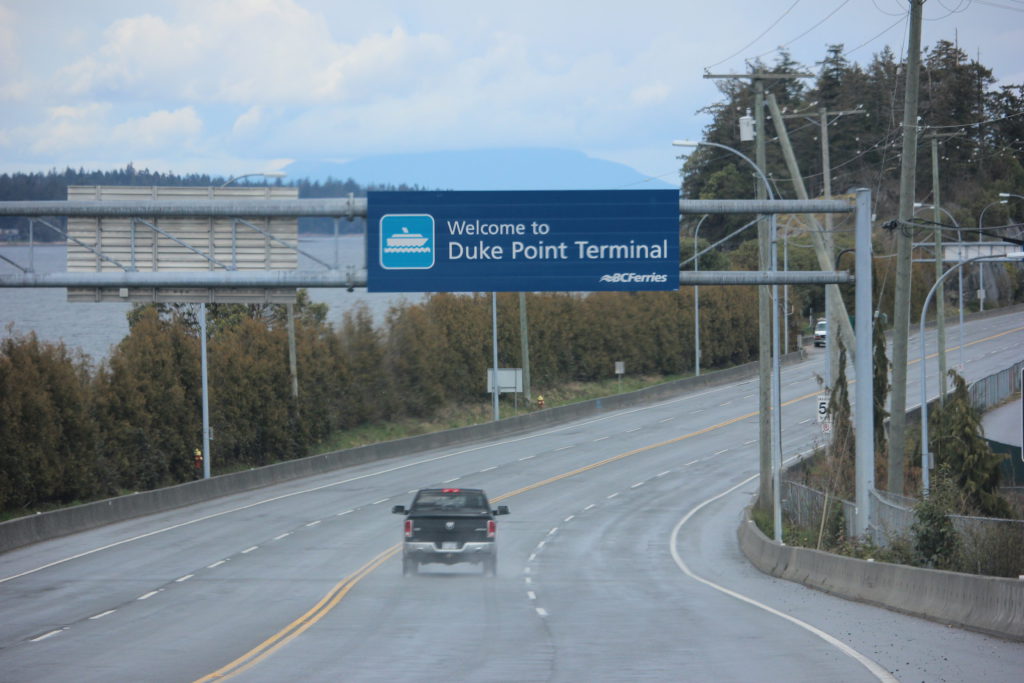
x=53, y=185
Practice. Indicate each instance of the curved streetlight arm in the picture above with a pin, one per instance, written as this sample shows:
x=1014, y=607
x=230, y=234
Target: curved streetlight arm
x=945, y=211
x=760, y=173
x=981, y=217
x=925, y=454
x=267, y=174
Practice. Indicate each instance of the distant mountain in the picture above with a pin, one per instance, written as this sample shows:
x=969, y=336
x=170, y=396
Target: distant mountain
x=486, y=169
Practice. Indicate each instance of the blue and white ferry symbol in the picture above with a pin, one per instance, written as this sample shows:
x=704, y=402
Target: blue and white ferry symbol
x=407, y=241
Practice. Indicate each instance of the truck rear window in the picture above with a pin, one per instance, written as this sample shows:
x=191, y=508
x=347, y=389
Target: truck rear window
x=449, y=500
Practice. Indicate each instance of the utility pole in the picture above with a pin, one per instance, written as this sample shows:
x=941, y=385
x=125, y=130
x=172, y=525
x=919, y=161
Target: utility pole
x=765, y=247
x=901, y=312
x=839, y=320
x=940, y=299
x=524, y=341
x=824, y=248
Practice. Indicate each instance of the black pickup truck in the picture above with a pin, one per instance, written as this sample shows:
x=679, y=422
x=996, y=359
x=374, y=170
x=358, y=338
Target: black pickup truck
x=449, y=526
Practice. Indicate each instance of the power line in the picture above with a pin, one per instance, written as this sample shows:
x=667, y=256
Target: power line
x=827, y=17
x=877, y=35
x=783, y=16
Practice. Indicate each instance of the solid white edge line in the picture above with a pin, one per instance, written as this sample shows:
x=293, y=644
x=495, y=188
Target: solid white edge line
x=871, y=665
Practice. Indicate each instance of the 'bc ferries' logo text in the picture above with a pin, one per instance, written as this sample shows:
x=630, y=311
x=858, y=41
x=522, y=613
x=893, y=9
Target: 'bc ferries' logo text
x=627, y=278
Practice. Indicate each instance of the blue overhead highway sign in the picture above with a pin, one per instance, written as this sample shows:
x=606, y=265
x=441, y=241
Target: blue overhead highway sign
x=508, y=241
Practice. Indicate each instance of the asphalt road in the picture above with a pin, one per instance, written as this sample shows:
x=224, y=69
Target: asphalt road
x=603, y=574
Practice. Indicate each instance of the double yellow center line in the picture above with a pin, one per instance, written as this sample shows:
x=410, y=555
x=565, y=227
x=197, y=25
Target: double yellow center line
x=341, y=589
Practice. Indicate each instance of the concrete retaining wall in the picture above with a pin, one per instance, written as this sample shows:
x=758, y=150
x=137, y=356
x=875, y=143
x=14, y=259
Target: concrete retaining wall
x=25, y=530
x=981, y=603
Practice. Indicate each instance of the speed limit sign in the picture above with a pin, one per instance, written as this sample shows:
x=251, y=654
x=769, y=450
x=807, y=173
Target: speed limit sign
x=823, y=415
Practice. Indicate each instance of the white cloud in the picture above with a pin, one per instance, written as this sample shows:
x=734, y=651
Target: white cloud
x=159, y=130
x=647, y=95
x=67, y=129
x=248, y=122
x=140, y=56
x=257, y=79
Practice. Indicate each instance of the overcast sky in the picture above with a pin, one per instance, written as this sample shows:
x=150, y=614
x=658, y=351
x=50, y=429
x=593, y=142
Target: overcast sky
x=233, y=86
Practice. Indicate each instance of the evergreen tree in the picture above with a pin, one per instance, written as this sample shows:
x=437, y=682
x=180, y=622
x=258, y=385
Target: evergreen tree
x=957, y=439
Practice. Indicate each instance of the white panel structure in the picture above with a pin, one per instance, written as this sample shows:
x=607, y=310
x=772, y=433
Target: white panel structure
x=147, y=244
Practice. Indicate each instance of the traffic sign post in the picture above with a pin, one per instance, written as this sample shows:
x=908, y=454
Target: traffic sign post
x=556, y=241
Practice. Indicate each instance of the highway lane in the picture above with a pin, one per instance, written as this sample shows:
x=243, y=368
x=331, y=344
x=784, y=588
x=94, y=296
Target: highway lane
x=587, y=585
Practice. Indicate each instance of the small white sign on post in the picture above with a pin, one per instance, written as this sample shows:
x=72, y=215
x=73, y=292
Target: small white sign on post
x=509, y=379
x=620, y=367
x=824, y=419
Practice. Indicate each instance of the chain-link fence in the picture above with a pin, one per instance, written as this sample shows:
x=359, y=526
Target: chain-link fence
x=987, y=545
x=994, y=389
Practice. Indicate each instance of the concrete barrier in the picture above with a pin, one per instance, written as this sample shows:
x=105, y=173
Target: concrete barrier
x=987, y=604
x=43, y=526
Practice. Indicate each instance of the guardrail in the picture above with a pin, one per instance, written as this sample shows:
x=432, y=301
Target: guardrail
x=47, y=525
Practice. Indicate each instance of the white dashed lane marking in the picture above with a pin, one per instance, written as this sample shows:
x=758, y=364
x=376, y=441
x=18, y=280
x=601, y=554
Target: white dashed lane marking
x=47, y=635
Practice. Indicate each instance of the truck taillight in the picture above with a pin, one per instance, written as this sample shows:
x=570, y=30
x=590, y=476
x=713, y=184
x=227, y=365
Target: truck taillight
x=408, y=528
x=491, y=528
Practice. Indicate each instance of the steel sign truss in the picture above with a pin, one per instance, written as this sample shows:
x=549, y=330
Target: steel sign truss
x=238, y=244
x=138, y=244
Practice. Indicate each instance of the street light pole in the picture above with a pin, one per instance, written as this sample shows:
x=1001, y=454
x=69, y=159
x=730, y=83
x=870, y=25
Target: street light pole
x=981, y=266
x=925, y=453
x=776, y=379
x=960, y=289
x=696, y=301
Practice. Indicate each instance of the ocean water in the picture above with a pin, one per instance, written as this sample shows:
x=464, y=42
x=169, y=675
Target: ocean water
x=95, y=328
